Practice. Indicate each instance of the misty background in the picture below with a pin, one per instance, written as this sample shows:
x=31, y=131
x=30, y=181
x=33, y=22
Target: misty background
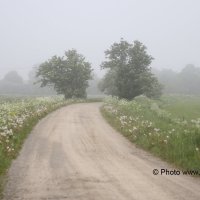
x=32, y=31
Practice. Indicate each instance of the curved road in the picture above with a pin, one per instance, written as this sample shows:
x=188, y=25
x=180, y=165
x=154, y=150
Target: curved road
x=74, y=154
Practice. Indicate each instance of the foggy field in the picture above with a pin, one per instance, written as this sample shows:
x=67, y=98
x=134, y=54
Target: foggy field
x=169, y=127
x=182, y=106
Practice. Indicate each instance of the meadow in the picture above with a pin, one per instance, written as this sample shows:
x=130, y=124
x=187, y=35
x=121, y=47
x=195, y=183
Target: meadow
x=169, y=128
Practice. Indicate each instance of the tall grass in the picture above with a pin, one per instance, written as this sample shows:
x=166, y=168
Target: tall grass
x=146, y=123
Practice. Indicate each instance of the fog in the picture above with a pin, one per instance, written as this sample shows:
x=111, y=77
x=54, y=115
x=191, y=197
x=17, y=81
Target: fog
x=32, y=31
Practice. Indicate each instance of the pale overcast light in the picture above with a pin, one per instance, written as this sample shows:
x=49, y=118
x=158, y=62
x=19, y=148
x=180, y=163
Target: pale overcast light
x=34, y=30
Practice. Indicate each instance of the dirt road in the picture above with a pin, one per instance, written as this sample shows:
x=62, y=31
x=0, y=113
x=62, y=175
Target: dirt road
x=74, y=154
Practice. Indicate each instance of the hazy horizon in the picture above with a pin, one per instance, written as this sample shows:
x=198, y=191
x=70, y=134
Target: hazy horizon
x=32, y=31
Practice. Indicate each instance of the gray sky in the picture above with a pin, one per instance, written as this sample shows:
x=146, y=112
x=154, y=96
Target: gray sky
x=31, y=31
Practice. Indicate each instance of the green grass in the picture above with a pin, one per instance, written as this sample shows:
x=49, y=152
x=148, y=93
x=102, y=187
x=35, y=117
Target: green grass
x=150, y=125
x=185, y=107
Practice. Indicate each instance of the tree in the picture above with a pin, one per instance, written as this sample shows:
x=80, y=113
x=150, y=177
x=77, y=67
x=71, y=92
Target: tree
x=34, y=87
x=107, y=84
x=12, y=83
x=13, y=77
x=129, y=73
x=189, y=79
x=168, y=78
x=68, y=75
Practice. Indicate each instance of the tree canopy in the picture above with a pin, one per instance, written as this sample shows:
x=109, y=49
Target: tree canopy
x=129, y=74
x=68, y=75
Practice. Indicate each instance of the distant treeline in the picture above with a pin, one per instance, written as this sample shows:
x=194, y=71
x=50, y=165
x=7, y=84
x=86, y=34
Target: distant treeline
x=13, y=84
x=185, y=82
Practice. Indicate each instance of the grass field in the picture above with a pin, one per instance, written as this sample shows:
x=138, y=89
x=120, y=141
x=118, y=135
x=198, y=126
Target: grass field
x=169, y=127
x=184, y=107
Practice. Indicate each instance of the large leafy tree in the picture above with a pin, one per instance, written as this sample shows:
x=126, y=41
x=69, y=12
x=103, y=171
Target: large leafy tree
x=68, y=75
x=129, y=74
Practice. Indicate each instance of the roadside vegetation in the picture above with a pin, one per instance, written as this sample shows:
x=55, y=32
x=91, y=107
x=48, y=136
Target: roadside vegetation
x=168, y=128
x=17, y=118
